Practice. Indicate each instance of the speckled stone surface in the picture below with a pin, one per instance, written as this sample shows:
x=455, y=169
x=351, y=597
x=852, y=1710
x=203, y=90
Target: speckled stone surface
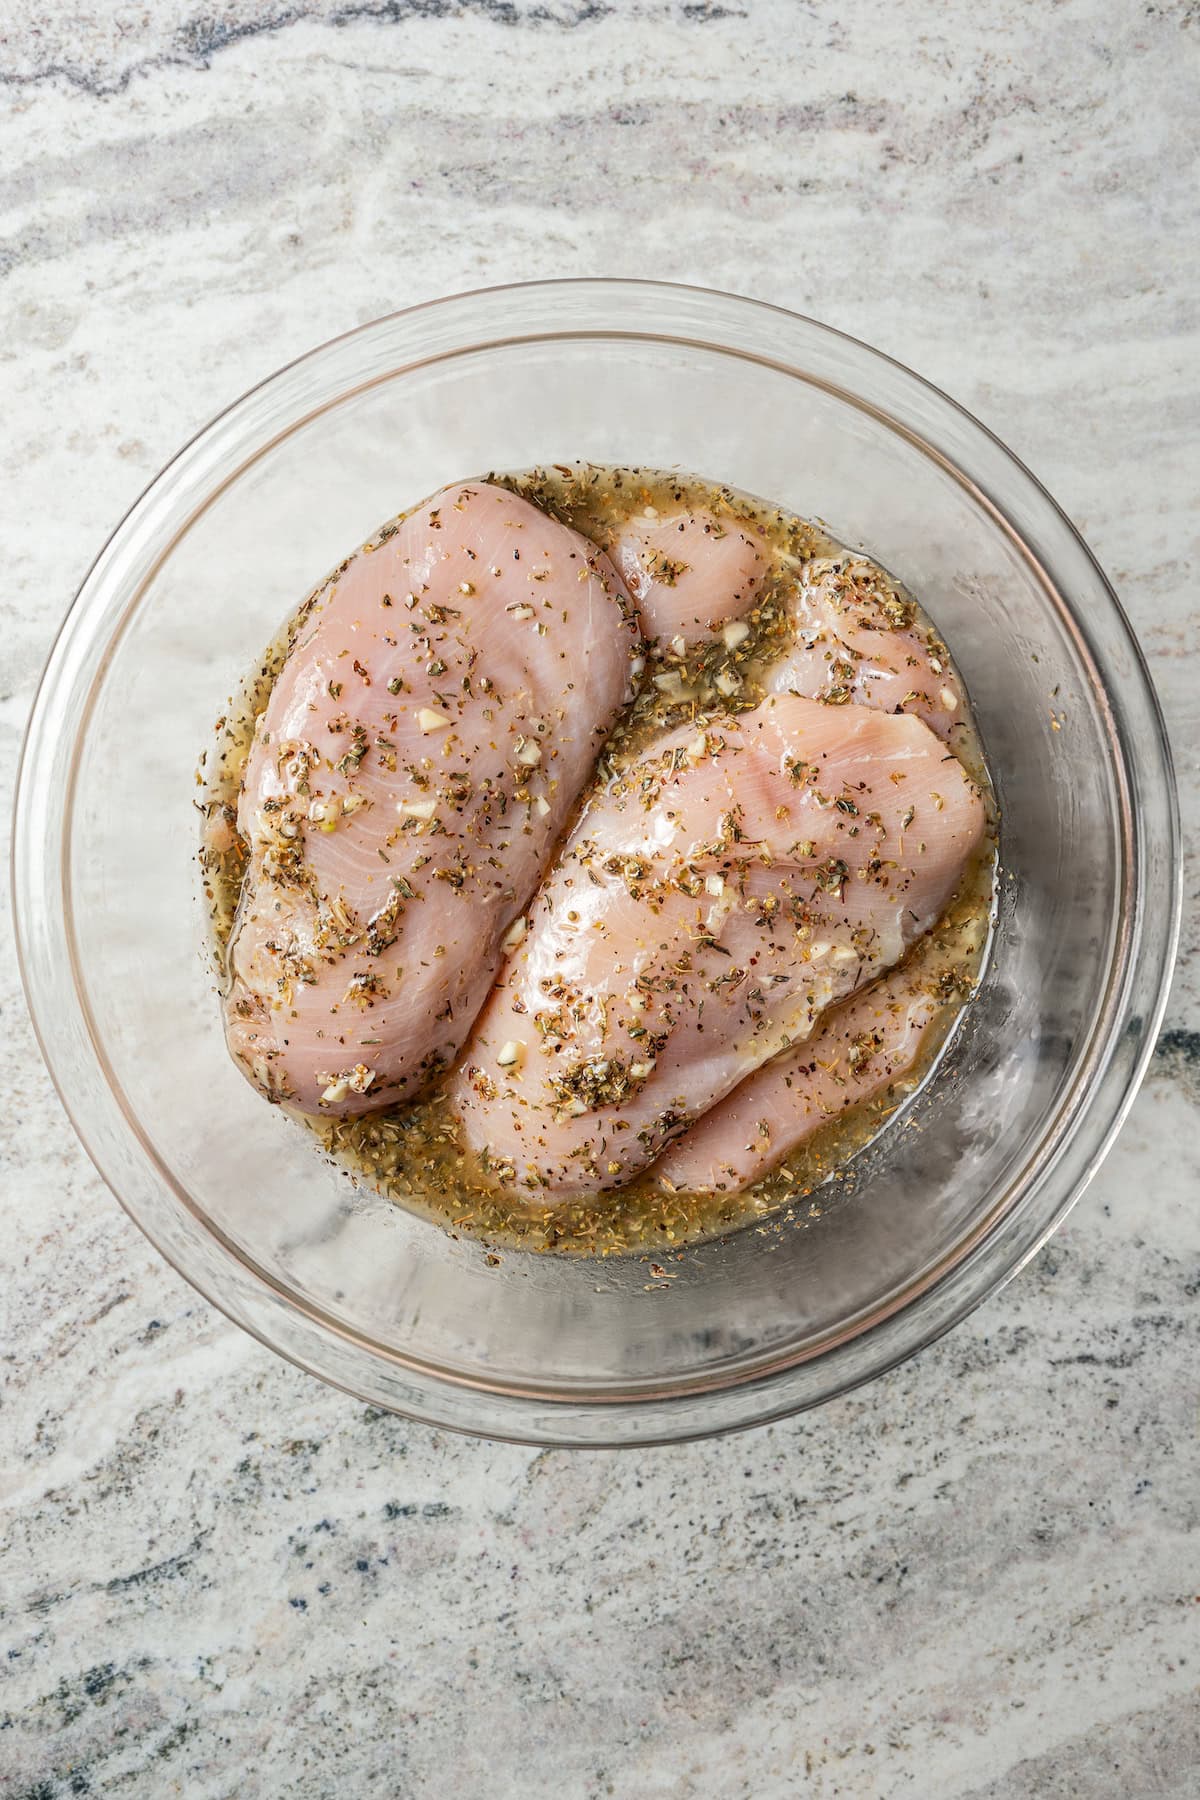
x=977, y=1577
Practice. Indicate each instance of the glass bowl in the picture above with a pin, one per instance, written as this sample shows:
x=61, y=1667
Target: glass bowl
x=957, y=1192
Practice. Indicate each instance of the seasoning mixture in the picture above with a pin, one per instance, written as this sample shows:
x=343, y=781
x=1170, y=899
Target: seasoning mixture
x=598, y=859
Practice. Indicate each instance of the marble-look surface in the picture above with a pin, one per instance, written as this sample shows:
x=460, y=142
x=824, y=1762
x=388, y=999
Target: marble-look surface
x=977, y=1577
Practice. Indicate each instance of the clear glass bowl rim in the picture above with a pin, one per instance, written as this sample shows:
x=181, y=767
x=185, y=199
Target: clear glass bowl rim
x=1086, y=1121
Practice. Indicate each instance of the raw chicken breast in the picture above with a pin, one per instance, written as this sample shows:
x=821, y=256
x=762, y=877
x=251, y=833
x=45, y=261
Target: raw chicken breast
x=858, y=639
x=446, y=698
x=858, y=1051
x=690, y=572
x=710, y=903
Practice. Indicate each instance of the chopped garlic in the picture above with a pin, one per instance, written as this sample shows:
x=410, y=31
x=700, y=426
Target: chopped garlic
x=735, y=633
x=511, y=1054
x=714, y=885
x=323, y=812
x=527, y=754
x=697, y=748
x=640, y=1070
x=520, y=612
x=948, y=698
x=355, y=1081
x=430, y=719
x=728, y=683
x=515, y=934
x=843, y=953
x=341, y=918
x=541, y=806
x=719, y=911
x=679, y=644
x=353, y=803
x=417, y=809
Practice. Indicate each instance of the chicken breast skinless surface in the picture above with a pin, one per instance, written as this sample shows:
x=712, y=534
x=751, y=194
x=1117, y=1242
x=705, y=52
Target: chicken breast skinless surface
x=711, y=902
x=858, y=1050
x=690, y=573
x=423, y=745
x=858, y=638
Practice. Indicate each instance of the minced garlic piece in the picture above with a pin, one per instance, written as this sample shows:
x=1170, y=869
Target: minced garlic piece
x=515, y=934
x=355, y=1081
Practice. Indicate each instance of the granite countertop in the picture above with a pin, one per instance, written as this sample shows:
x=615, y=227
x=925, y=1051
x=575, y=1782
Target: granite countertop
x=977, y=1577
